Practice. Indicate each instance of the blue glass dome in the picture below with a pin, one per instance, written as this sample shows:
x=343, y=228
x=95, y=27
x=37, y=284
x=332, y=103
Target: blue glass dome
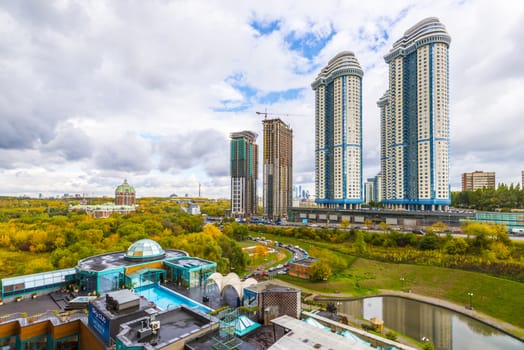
x=145, y=249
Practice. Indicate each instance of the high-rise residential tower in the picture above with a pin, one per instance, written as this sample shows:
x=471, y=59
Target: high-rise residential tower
x=244, y=173
x=415, y=120
x=338, y=133
x=278, y=168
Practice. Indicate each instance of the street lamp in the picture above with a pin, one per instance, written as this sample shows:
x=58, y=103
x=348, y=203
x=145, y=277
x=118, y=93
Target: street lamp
x=402, y=281
x=470, y=300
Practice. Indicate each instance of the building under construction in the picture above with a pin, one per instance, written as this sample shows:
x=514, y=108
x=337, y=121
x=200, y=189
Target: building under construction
x=278, y=168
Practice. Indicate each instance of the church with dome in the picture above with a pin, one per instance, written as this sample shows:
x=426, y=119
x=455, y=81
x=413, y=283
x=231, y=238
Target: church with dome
x=125, y=194
x=124, y=203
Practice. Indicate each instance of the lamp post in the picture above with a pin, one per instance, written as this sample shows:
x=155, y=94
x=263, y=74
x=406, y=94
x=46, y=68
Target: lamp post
x=402, y=281
x=470, y=300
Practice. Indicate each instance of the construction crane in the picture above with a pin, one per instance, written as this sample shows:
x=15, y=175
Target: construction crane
x=266, y=113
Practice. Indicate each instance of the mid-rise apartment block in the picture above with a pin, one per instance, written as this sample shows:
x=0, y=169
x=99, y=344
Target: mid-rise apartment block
x=244, y=173
x=478, y=180
x=278, y=168
x=338, y=133
x=415, y=120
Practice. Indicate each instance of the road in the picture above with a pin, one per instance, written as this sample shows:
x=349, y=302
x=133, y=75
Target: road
x=333, y=226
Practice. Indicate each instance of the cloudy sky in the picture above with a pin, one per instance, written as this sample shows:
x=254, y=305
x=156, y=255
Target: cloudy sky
x=94, y=92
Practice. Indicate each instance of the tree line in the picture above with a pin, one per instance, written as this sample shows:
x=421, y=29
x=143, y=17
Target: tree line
x=486, y=248
x=57, y=238
x=503, y=198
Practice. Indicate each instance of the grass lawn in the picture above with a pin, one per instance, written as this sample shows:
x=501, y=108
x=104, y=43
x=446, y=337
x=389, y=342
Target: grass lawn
x=497, y=297
x=270, y=260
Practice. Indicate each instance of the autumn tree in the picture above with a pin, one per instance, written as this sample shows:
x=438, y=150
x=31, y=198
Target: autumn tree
x=439, y=227
x=320, y=271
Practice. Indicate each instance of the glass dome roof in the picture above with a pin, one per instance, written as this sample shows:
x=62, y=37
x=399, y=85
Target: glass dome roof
x=145, y=249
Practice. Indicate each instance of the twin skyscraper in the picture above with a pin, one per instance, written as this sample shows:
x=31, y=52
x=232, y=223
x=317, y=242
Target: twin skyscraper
x=414, y=124
x=414, y=134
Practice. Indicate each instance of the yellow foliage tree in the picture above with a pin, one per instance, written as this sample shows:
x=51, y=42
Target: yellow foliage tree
x=261, y=251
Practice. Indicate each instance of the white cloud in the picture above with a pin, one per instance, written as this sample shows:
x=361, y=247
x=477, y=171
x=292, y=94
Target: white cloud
x=94, y=92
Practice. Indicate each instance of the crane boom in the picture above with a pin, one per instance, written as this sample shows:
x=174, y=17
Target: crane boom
x=266, y=113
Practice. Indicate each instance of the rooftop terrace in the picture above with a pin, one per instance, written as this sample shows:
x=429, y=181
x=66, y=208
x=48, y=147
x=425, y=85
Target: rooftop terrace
x=115, y=260
x=174, y=325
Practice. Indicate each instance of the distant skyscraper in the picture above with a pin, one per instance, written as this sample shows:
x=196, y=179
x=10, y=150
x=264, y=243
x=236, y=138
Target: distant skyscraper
x=415, y=120
x=522, y=181
x=278, y=168
x=369, y=190
x=338, y=133
x=378, y=187
x=244, y=173
x=478, y=180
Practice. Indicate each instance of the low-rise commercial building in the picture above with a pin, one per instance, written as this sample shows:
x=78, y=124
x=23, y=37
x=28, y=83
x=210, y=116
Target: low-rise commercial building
x=302, y=268
x=478, y=180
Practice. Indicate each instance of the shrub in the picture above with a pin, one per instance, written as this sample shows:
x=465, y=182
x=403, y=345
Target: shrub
x=391, y=335
x=429, y=242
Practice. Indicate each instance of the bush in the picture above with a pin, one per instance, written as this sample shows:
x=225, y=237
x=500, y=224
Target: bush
x=428, y=346
x=429, y=242
x=391, y=335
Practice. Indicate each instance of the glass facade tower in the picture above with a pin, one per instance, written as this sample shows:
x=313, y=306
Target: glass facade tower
x=244, y=170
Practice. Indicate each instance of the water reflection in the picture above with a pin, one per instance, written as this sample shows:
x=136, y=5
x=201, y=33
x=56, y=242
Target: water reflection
x=447, y=330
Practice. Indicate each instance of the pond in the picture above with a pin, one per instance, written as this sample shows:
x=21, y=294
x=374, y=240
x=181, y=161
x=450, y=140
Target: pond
x=447, y=330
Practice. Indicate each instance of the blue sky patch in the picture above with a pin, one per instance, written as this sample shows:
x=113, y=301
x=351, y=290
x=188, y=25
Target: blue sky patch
x=265, y=28
x=308, y=45
x=231, y=106
x=278, y=96
x=251, y=95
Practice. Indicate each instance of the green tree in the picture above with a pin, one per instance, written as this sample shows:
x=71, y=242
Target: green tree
x=429, y=241
x=360, y=243
x=320, y=271
x=455, y=246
